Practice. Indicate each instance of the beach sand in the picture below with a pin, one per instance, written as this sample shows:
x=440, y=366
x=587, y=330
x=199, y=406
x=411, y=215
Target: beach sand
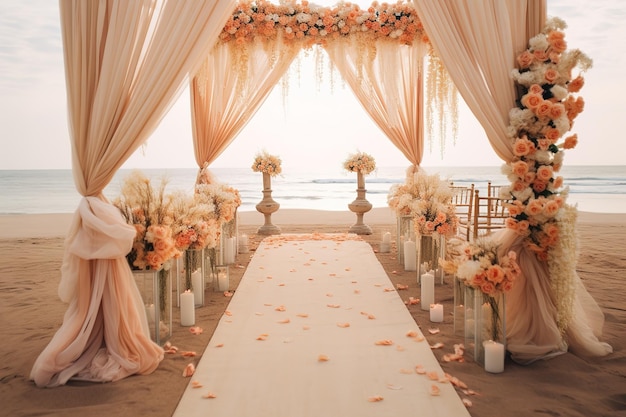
x=31, y=312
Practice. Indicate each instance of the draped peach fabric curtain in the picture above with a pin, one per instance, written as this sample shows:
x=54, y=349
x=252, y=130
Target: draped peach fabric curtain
x=125, y=62
x=226, y=92
x=478, y=43
x=390, y=89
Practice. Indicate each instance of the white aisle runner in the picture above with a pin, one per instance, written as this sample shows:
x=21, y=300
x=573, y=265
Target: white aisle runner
x=316, y=329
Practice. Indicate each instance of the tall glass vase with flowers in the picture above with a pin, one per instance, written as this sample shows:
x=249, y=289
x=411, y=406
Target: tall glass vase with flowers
x=428, y=200
x=148, y=209
x=487, y=275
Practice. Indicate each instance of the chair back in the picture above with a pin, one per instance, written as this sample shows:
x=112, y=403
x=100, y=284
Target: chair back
x=489, y=214
x=463, y=200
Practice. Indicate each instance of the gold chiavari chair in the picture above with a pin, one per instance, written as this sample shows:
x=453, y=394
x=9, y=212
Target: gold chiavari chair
x=463, y=200
x=489, y=214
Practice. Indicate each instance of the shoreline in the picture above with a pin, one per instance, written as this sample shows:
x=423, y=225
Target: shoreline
x=20, y=226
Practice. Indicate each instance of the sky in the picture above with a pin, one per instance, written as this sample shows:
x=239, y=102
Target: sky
x=316, y=126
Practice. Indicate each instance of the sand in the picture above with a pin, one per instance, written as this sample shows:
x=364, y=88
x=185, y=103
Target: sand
x=31, y=312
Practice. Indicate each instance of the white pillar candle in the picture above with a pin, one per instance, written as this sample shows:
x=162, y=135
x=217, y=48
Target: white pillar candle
x=387, y=237
x=244, y=246
x=187, y=310
x=427, y=286
x=222, y=280
x=150, y=314
x=494, y=356
x=229, y=256
x=436, y=313
x=198, y=287
x=409, y=255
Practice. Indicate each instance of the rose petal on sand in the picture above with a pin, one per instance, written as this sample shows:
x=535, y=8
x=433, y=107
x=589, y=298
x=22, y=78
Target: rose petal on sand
x=343, y=325
x=219, y=345
x=228, y=313
x=196, y=384
x=394, y=387
x=189, y=370
x=402, y=287
x=228, y=294
x=437, y=345
x=467, y=402
x=433, y=330
x=209, y=395
x=188, y=354
x=303, y=315
x=195, y=330
x=406, y=371
x=420, y=370
x=375, y=399
x=322, y=358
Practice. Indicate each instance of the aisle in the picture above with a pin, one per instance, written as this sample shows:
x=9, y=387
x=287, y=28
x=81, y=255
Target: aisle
x=316, y=329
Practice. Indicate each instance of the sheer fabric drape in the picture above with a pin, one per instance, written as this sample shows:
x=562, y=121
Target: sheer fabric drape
x=227, y=91
x=125, y=62
x=478, y=43
x=389, y=87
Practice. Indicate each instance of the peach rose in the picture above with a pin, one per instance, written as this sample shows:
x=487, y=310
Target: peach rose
x=552, y=134
x=543, y=110
x=558, y=45
x=571, y=142
x=576, y=84
x=557, y=110
x=532, y=100
x=544, y=173
x=529, y=177
x=525, y=59
x=511, y=223
x=534, y=208
x=488, y=288
x=520, y=168
x=551, y=75
x=540, y=56
x=518, y=186
x=495, y=274
x=521, y=147
x=535, y=89
x=558, y=182
x=539, y=186
x=551, y=208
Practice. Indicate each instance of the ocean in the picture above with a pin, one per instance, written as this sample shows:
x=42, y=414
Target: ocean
x=599, y=189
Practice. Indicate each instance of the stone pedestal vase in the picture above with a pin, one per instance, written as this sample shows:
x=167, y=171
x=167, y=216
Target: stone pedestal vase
x=267, y=206
x=360, y=206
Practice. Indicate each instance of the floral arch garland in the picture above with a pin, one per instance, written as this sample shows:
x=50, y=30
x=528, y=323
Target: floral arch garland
x=299, y=25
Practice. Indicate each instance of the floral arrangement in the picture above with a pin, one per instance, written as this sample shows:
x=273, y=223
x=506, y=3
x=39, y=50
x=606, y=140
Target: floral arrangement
x=314, y=24
x=224, y=199
x=267, y=164
x=360, y=162
x=482, y=266
x=193, y=227
x=538, y=125
x=428, y=199
x=149, y=211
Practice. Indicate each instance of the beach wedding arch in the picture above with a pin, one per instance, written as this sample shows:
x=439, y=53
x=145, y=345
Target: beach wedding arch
x=219, y=48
